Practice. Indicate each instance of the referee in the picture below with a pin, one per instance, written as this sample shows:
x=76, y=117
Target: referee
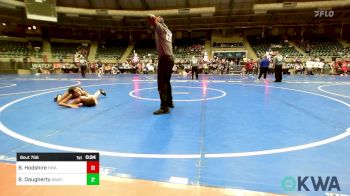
x=83, y=66
x=163, y=38
x=194, y=64
x=278, y=62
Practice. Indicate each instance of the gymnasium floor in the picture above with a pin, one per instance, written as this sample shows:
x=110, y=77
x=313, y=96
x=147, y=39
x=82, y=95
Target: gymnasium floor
x=225, y=131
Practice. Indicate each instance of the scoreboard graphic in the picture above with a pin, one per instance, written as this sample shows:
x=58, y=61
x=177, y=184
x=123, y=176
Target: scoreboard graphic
x=57, y=169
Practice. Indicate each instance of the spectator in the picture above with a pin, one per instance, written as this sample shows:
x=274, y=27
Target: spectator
x=344, y=68
x=249, y=66
x=309, y=66
x=264, y=67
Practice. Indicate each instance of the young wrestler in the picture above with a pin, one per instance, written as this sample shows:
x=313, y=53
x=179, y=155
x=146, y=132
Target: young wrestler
x=76, y=97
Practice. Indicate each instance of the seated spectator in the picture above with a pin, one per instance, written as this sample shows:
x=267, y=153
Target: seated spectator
x=108, y=69
x=344, y=69
x=298, y=68
x=243, y=71
x=249, y=66
x=150, y=68
x=93, y=67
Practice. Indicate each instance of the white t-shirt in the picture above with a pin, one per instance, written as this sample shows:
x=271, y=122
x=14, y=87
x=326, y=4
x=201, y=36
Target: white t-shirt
x=82, y=60
x=76, y=58
x=149, y=67
x=309, y=64
x=321, y=65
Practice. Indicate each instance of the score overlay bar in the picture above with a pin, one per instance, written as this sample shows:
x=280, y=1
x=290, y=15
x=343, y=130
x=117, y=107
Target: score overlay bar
x=57, y=169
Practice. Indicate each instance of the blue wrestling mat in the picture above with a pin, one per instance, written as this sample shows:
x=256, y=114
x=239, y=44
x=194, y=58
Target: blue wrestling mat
x=225, y=131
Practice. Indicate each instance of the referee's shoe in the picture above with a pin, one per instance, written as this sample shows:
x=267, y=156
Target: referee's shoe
x=171, y=105
x=161, y=111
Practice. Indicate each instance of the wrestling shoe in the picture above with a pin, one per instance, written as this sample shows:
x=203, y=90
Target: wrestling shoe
x=103, y=92
x=55, y=99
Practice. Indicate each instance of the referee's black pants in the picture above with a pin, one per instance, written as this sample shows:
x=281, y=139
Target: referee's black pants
x=278, y=73
x=165, y=68
x=195, y=69
x=83, y=70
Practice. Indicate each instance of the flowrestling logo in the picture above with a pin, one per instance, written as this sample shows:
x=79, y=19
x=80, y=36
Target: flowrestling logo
x=310, y=183
x=324, y=13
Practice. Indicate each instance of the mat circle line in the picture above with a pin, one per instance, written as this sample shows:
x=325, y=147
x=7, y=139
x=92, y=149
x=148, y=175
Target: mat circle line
x=131, y=93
